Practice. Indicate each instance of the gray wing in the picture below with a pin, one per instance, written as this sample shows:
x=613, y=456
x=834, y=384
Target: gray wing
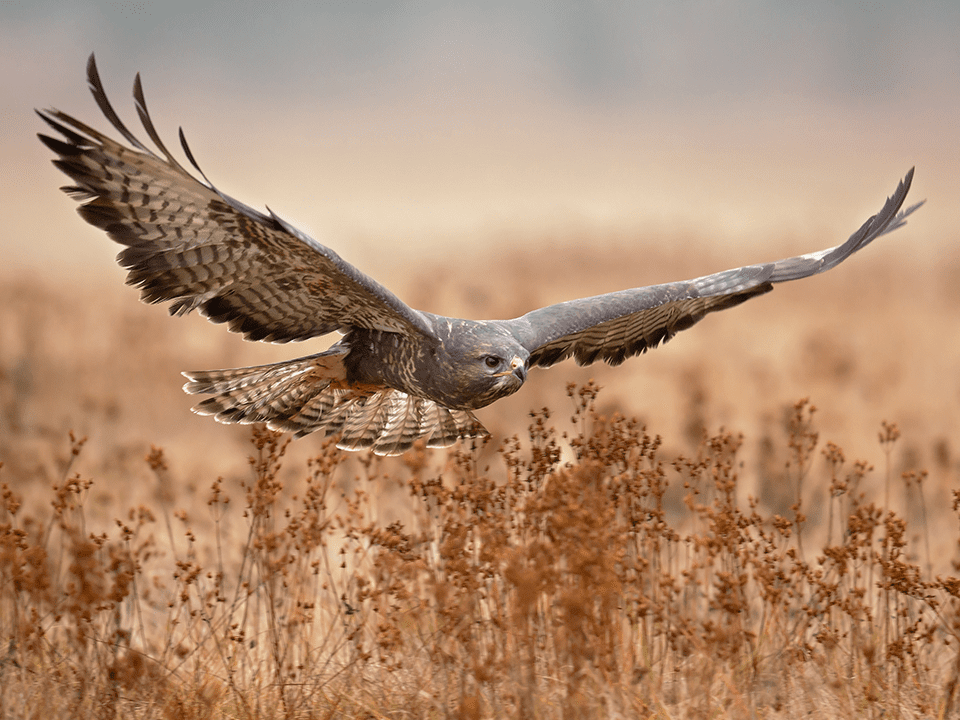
x=618, y=325
x=196, y=247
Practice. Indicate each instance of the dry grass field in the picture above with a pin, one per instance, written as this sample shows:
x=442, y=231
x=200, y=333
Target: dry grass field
x=758, y=520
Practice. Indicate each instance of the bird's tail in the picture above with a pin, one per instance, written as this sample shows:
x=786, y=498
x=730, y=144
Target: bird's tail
x=311, y=394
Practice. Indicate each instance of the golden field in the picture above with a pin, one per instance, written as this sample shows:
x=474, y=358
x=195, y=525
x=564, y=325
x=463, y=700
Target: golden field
x=758, y=519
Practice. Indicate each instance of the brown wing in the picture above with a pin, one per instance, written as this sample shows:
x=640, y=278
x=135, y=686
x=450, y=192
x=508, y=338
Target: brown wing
x=615, y=326
x=192, y=245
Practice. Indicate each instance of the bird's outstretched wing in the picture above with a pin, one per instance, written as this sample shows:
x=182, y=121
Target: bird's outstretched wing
x=618, y=325
x=196, y=247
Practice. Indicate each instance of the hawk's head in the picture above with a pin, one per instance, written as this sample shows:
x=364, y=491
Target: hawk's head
x=485, y=362
x=496, y=374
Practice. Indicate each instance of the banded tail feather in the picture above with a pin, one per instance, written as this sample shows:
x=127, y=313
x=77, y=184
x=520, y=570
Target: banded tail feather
x=311, y=394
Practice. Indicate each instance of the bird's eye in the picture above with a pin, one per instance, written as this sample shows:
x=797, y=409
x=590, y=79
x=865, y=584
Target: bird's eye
x=491, y=361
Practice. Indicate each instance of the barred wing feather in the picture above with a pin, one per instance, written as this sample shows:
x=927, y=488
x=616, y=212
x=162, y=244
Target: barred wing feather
x=191, y=245
x=617, y=325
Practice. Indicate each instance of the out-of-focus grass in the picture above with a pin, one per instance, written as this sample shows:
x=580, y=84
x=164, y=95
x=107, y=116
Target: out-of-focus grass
x=580, y=565
x=554, y=582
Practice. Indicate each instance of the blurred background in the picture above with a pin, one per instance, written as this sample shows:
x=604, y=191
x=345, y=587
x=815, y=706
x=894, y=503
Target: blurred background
x=432, y=122
x=483, y=158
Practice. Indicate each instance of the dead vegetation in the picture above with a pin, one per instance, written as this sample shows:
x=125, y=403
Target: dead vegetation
x=582, y=564
x=555, y=582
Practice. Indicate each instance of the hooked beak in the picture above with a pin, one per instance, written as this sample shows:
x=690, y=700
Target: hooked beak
x=517, y=371
x=518, y=368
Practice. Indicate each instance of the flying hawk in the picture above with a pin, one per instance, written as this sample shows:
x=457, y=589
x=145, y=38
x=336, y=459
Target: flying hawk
x=397, y=374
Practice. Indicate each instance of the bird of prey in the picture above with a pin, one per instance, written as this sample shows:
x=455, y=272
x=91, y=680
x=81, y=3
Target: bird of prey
x=397, y=374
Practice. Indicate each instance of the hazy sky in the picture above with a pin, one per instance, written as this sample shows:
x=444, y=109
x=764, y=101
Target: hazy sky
x=438, y=123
